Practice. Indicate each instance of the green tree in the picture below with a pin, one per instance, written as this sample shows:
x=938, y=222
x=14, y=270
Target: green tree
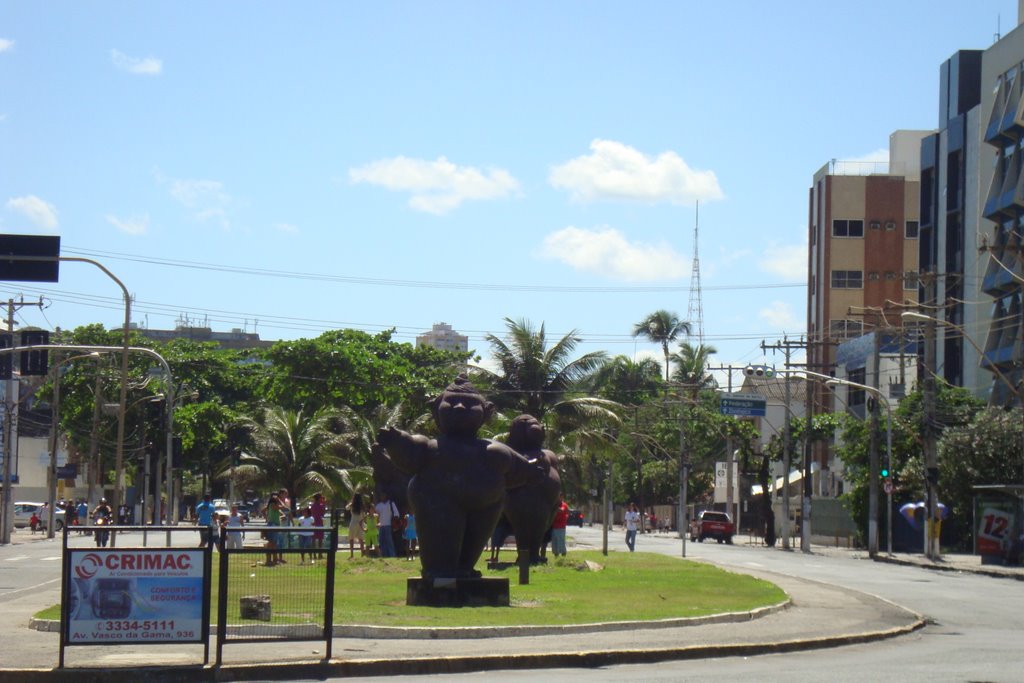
x=691, y=366
x=985, y=451
x=955, y=407
x=627, y=381
x=536, y=378
x=662, y=327
x=355, y=369
x=299, y=452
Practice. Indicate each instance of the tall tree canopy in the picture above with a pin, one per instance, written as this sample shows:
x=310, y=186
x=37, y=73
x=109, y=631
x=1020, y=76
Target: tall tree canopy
x=535, y=377
x=662, y=327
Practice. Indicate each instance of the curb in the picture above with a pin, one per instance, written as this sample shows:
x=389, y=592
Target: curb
x=472, y=632
x=448, y=665
x=1013, y=575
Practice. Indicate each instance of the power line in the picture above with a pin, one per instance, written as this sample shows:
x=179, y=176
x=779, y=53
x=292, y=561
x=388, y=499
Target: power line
x=388, y=282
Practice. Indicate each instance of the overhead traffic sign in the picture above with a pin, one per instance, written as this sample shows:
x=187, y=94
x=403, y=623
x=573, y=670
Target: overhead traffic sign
x=742, y=405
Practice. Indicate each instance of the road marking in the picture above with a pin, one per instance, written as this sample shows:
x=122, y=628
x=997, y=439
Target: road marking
x=31, y=588
x=51, y=559
x=754, y=564
x=16, y=558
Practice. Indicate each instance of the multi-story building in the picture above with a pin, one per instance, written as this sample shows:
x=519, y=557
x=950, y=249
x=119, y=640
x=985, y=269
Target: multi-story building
x=863, y=250
x=950, y=264
x=443, y=337
x=863, y=262
x=1001, y=176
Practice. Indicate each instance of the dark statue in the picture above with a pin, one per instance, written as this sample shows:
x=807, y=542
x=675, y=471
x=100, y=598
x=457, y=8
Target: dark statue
x=531, y=507
x=458, y=481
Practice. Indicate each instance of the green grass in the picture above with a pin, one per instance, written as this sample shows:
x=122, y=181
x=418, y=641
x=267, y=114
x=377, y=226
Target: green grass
x=628, y=586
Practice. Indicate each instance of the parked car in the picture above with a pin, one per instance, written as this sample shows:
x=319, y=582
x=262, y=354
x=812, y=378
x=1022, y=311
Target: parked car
x=712, y=524
x=23, y=514
x=575, y=517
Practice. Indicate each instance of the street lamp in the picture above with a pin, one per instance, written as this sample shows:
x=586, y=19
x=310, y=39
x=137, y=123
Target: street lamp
x=873, y=486
x=51, y=483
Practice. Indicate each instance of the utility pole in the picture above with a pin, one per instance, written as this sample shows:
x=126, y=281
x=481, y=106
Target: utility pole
x=730, y=454
x=931, y=470
x=873, y=452
x=787, y=346
x=684, y=475
x=10, y=445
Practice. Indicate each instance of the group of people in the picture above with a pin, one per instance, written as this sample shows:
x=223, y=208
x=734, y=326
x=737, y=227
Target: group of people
x=555, y=535
x=374, y=527
x=278, y=513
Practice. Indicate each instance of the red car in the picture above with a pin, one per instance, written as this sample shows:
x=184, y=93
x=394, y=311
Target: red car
x=712, y=524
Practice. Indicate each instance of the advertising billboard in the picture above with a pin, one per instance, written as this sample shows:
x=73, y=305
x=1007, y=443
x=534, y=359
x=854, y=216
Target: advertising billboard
x=134, y=595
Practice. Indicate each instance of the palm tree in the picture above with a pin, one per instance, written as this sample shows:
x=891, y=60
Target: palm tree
x=662, y=327
x=692, y=366
x=627, y=381
x=535, y=378
x=297, y=451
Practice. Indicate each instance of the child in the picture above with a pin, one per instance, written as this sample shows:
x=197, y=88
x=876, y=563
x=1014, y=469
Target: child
x=410, y=536
x=370, y=531
x=306, y=536
x=34, y=522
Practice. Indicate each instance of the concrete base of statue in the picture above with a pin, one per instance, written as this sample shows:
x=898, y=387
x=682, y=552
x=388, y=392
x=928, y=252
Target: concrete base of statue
x=482, y=592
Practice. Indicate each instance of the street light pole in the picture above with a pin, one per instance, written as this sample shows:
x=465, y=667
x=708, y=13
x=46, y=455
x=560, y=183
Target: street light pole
x=873, y=490
x=51, y=476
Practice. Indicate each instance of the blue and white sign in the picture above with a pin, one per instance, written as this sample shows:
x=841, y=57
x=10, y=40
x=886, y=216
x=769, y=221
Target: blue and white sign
x=742, y=405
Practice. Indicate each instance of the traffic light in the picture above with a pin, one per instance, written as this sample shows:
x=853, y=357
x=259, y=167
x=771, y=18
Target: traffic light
x=759, y=371
x=35, y=362
x=885, y=472
x=7, y=359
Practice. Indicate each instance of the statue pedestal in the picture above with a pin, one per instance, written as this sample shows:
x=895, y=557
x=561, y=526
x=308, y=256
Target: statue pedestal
x=483, y=592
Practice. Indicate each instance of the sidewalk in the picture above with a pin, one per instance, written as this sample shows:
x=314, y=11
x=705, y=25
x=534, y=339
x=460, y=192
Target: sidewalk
x=817, y=616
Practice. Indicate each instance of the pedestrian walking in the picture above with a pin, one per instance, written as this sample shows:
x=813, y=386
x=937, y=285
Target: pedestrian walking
x=632, y=520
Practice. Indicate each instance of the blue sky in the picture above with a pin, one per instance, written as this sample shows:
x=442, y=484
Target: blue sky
x=292, y=168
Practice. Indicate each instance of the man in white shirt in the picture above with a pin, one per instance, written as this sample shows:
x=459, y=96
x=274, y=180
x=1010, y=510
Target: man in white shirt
x=386, y=512
x=632, y=524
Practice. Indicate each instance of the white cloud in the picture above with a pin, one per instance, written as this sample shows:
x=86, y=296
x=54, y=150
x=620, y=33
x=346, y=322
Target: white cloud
x=287, y=228
x=879, y=155
x=42, y=213
x=206, y=199
x=133, y=225
x=6, y=45
x=437, y=186
x=150, y=66
x=780, y=316
x=788, y=261
x=606, y=251
x=617, y=171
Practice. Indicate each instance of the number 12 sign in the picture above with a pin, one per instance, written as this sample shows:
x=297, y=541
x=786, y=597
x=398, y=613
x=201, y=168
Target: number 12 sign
x=994, y=526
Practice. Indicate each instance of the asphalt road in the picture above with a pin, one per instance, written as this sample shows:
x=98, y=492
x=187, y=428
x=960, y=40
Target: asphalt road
x=975, y=633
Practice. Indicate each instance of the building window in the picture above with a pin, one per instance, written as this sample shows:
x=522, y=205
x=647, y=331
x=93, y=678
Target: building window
x=875, y=225
x=890, y=275
x=845, y=329
x=856, y=397
x=910, y=279
x=847, y=279
x=873, y=275
x=842, y=227
x=910, y=230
